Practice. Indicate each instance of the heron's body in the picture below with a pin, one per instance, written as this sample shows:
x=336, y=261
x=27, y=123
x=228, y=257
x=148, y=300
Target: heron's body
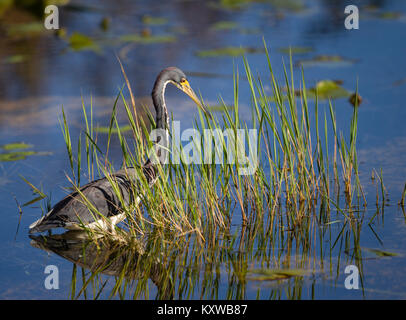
x=73, y=211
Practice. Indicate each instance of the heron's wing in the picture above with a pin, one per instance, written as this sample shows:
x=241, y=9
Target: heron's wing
x=100, y=196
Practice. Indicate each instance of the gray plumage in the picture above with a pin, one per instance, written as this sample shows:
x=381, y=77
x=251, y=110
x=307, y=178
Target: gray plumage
x=73, y=211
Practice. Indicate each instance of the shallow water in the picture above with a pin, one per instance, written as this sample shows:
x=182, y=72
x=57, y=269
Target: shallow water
x=40, y=73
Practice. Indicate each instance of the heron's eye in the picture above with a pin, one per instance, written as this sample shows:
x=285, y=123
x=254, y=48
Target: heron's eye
x=183, y=81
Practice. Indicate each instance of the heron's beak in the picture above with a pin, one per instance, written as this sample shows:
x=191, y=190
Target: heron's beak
x=185, y=87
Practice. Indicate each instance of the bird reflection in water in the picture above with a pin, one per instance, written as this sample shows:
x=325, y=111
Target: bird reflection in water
x=114, y=257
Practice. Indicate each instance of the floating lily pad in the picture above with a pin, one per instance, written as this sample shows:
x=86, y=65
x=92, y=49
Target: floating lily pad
x=295, y=50
x=327, y=89
x=276, y=274
x=326, y=60
x=113, y=130
x=147, y=38
x=20, y=155
x=154, y=20
x=12, y=155
x=288, y=5
x=16, y=146
x=224, y=25
x=79, y=42
x=231, y=25
x=227, y=51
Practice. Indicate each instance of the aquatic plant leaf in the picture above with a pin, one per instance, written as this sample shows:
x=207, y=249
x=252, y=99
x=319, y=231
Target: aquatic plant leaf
x=382, y=253
x=36, y=199
x=233, y=4
x=20, y=155
x=11, y=155
x=326, y=89
x=224, y=25
x=390, y=15
x=34, y=188
x=326, y=60
x=147, y=39
x=16, y=145
x=227, y=51
x=295, y=50
x=14, y=156
x=154, y=20
x=276, y=274
x=79, y=42
x=288, y=5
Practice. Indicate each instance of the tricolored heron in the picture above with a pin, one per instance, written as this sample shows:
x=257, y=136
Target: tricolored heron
x=72, y=211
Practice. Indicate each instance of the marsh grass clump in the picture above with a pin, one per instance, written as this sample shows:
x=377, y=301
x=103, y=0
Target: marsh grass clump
x=299, y=168
x=297, y=214
x=202, y=219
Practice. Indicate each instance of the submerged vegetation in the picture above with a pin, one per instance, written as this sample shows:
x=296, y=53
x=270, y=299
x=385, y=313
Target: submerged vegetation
x=17, y=151
x=299, y=212
x=227, y=51
x=326, y=60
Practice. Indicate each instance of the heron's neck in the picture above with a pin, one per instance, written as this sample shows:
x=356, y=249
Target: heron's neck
x=162, y=118
x=158, y=98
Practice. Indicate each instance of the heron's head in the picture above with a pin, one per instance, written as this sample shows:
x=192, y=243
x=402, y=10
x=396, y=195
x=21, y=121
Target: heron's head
x=178, y=78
